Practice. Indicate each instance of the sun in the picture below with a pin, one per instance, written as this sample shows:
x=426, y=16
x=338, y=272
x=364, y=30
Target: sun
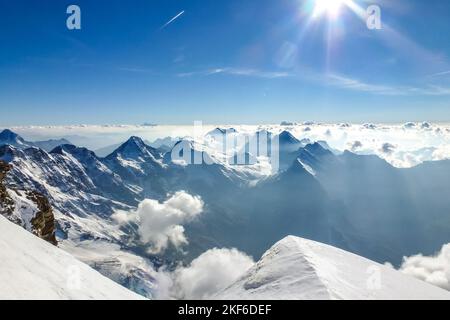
x=328, y=7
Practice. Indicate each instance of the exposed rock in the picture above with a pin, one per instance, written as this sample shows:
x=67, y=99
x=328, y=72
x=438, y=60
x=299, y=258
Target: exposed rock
x=6, y=203
x=44, y=220
x=42, y=223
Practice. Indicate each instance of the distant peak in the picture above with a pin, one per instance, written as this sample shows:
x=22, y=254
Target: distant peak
x=135, y=139
x=69, y=148
x=317, y=148
x=135, y=142
x=221, y=131
x=287, y=137
x=134, y=147
x=8, y=135
x=314, y=146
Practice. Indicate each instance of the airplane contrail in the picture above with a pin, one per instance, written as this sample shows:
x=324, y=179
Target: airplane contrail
x=172, y=20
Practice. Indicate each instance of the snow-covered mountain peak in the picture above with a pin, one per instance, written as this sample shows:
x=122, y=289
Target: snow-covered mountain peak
x=9, y=137
x=190, y=152
x=317, y=149
x=221, y=131
x=134, y=149
x=80, y=152
x=287, y=137
x=288, y=143
x=296, y=268
x=132, y=144
x=49, y=145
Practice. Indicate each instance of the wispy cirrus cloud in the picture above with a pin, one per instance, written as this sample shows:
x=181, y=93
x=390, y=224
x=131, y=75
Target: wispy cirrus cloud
x=334, y=80
x=135, y=70
x=439, y=74
x=244, y=72
x=358, y=85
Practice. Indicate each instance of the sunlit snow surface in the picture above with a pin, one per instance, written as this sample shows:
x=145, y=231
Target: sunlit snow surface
x=31, y=268
x=295, y=268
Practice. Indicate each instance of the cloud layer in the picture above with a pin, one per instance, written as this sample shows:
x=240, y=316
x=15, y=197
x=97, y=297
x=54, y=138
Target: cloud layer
x=432, y=269
x=407, y=144
x=160, y=224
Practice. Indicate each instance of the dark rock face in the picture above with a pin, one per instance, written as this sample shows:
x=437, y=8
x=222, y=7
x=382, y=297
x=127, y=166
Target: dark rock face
x=6, y=203
x=43, y=222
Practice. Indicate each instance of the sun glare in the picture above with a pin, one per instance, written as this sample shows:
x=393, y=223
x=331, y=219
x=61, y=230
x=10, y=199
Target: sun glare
x=328, y=7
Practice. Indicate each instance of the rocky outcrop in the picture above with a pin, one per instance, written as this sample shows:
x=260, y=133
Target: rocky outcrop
x=42, y=220
x=6, y=203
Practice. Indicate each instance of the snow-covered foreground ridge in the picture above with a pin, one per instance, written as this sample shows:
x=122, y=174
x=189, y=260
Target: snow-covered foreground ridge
x=295, y=268
x=31, y=268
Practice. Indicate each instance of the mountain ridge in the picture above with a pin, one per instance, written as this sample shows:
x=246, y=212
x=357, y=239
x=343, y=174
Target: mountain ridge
x=298, y=269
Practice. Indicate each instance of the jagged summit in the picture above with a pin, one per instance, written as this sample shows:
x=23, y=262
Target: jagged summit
x=221, y=131
x=187, y=151
x=82, y=154
x=317, y=149
x=288, y=138
x=49, y=145
x=134, y=148
x=9, y=137
x=64, y=147
x=288, y=143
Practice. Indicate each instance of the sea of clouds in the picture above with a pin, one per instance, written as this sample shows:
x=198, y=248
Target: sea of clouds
x=402, y=145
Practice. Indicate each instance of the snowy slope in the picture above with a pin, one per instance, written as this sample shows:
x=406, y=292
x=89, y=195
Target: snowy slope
x=295, y=268
x=31, y=268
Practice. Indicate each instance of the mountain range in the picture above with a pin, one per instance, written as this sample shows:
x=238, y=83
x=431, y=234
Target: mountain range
x=358, y=203
x=11, y=138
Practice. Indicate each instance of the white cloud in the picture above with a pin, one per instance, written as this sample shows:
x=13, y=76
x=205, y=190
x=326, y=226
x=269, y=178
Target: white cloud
x=443, y=73
x=160, y=224
x=432, y=269
x=211, y=272
x=441, y=153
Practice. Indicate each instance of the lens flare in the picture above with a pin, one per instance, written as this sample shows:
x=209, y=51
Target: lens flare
x=328, y=7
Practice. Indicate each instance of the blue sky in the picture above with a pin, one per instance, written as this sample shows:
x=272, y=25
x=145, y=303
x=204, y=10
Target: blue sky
x=222, y=61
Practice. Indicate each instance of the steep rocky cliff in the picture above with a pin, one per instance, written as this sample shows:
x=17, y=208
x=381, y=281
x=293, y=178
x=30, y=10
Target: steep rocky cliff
x=6, y=203
x=27, y=208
